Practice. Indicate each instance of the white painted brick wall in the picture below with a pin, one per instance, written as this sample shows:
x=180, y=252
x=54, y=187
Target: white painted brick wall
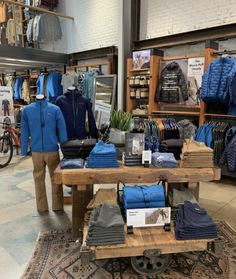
x=95, y=25
x=161, y=18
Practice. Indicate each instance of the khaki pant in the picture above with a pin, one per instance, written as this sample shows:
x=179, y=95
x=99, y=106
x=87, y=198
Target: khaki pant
x=40, y=160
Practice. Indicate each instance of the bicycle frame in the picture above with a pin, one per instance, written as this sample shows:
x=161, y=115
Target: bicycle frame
x=14, y=134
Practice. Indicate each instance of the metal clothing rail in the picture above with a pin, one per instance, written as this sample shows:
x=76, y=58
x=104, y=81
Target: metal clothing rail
x=226, y=52
x=37, y=9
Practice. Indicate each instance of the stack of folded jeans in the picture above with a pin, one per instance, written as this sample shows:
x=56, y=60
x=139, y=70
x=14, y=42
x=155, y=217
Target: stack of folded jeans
x=172, y=146
x=103, y=155
x=72, y=164
x=196, y=155
x=164, y=160
x=193, y=222
x=106, y=226
x=143, y=196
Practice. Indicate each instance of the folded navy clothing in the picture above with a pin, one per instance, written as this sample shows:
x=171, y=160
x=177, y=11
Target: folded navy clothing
x=72, y=163
x=164, y=160
x=193, y=222
x=102, y=160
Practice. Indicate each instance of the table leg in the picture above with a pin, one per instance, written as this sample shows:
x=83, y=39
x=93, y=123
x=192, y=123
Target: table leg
x=81, y=196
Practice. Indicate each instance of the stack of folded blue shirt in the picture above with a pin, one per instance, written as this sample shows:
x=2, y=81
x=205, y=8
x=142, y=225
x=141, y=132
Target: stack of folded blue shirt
x=164, y=160
x=103, y=155
x=193, y=222
x=143, y=196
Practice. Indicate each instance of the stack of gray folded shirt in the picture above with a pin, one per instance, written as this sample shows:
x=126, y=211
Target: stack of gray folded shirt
x=106, y=226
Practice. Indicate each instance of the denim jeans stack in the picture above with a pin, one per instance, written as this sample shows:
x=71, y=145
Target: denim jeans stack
x=193, y=222
x=72, y=164
x=103, y=155
x=164, y=160
x=143, y=196
x=106, y=226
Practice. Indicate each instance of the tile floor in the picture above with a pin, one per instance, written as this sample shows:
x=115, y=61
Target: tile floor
x=20, y=223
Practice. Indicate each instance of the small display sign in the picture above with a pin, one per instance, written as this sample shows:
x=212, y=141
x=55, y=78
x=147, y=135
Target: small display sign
x=148, y=217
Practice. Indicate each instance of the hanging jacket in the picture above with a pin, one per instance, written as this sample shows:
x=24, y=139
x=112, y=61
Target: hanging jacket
x=172, y=85
x=74, y=107
x=217, y=80
x=44, y=124
x=229, y=156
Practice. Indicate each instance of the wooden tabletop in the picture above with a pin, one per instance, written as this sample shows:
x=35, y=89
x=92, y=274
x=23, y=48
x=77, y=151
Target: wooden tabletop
x=136, y=174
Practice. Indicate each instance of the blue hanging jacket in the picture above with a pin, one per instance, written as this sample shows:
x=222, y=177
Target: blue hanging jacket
x=217, y=80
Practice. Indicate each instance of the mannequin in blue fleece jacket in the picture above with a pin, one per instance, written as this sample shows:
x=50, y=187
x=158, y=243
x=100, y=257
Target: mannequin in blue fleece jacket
x=44, y=124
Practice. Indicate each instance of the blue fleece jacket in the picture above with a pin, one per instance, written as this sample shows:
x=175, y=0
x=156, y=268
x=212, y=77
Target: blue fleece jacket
x=74, y=107
x=44, y=124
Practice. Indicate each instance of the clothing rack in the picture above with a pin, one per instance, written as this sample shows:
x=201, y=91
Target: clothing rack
x=227, y=52
x=42, y=10
x=92, y=65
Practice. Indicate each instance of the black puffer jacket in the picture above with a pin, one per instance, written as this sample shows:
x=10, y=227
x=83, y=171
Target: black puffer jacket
x=172, y=84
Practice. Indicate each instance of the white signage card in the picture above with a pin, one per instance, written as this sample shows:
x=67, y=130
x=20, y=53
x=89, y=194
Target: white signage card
x=196, y=69
x=6, y=102
x=147, y=156
x=148, y=217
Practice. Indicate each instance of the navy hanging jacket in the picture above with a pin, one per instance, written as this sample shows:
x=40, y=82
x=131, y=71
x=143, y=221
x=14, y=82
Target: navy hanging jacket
x=74, y=107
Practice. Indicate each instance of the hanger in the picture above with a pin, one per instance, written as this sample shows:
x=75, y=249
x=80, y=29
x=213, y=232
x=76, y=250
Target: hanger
x=40, y=97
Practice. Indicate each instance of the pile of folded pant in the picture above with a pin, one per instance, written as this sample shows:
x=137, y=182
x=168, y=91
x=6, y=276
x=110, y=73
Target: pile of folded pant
x=72, y=163
x=143, y=196
x=193, y=222
x=172, y=146
x=103, y=155
x=106, y=226
x=196, y=155
x=164, y=160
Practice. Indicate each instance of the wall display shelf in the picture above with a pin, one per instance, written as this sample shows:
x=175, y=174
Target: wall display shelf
x=142, y=84
x=156, y=108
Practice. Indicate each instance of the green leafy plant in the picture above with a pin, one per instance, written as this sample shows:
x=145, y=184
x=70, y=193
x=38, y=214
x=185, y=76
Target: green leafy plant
x=120, y=120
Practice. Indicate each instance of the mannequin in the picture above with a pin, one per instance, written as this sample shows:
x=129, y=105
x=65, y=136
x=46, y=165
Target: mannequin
x=44, y=124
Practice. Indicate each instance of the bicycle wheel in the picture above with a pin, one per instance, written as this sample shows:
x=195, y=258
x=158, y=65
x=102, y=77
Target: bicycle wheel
x=6, y=151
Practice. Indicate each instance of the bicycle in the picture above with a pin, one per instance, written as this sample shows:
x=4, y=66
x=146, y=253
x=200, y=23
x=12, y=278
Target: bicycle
x=9, y=139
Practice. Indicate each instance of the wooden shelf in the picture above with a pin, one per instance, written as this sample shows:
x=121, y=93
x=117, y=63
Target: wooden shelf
x=179, y=105
x=177, y=112
x=37, y=9
x=220, y=115
x=139, y=70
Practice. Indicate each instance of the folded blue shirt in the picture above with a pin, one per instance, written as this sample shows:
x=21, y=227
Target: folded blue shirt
x=146, y=204
x=102, y=148
x=137, y=194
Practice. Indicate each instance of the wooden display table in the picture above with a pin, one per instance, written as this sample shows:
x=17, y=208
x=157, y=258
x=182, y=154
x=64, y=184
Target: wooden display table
x=149, y=248
x=82, y=181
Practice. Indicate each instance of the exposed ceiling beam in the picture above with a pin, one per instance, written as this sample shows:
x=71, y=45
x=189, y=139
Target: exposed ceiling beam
x=214, y=33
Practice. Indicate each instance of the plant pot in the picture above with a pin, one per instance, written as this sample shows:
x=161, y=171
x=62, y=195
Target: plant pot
x=116, y=136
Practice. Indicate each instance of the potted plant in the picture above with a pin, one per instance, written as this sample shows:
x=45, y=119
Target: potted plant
x=120, y=123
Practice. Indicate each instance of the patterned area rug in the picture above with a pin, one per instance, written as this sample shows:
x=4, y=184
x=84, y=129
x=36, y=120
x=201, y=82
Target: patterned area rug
x=57, y=256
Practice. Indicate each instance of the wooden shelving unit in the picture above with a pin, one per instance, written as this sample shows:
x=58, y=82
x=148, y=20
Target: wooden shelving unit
x=152, y=73
x=155, y=108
